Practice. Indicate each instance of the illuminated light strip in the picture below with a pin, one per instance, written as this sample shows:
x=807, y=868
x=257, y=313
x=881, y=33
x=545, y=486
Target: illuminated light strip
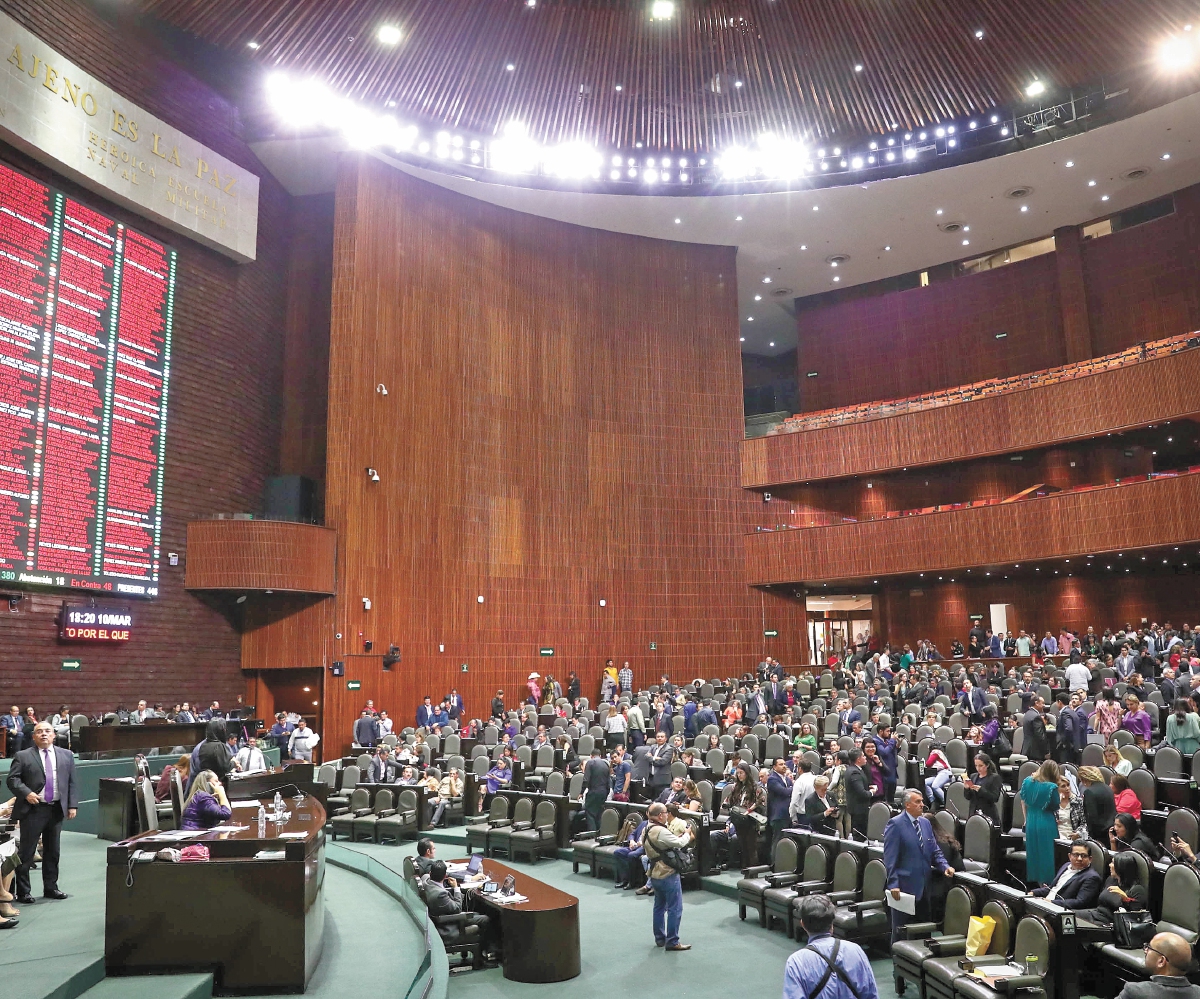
x=162, y=425
x=106, y=426
x=53, y=258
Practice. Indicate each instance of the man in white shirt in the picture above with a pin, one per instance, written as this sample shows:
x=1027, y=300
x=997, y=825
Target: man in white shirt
x=1078, y=677
x=250, y=757
x=302, y=741
x=384, y=724
x=802, y=788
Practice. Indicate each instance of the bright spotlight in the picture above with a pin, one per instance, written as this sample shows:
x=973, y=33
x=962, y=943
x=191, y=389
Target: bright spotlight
x=388, y=34
x=662, y=10
x=514, y=152
x=573, y=160
x=1035, y=89
x=1176, y=54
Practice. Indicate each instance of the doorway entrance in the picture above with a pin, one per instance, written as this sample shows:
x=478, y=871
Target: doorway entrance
x=836, y=623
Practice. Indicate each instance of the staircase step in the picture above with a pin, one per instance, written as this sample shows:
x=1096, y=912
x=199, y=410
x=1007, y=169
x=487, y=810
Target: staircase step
x=153, y=987
x=66, y=977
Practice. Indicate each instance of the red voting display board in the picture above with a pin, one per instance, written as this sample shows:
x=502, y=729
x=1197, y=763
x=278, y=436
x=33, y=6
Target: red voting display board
x=85, y=357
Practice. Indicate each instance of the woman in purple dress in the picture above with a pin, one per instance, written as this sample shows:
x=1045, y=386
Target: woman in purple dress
x=206, y=804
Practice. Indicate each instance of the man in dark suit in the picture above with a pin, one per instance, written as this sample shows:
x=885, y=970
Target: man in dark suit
x=910, y=853
x=779, y=800
x=458, y=708
x=1077, y=884
x=1168, y=958
x=847, y=716
x=973, y=700
x=365, y=731
x=43, y=779
x=858, y=792
x=1037, y=744
x=382, y=769
x=821, y=811
x=662, y=755
x=773, y=694
x=443, y=898
x=425, y=713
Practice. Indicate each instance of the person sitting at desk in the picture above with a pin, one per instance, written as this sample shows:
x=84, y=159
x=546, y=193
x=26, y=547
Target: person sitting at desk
x=675, y=794
x=1076, y=885
x=424, y=858
x=443, y=898
x=182, y=766
x=499, y=776
x=250, y=757
x=450, y=787
x=382, y=770
x=409, y=776
x=206, y=805
x=1122, y=892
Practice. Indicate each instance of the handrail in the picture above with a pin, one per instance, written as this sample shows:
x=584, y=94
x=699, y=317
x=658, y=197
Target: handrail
x=865, y=412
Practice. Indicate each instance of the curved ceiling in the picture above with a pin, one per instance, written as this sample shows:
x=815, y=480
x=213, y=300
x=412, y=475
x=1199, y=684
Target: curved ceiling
x=716, y=73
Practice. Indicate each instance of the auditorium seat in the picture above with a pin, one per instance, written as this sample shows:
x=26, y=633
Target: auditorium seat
x=584, y=845
x=842, y=890
x=343, y=819
x=350, y=776
x=979, y=845
x=942, y=971
x=478, y=825
x=402, y=822
x=867, y=919
x=918, y=943
x=539, y=839
x=1033, y=938
x=366, y=826
x=500, y=835
x=780, y=873
x=1180, y=914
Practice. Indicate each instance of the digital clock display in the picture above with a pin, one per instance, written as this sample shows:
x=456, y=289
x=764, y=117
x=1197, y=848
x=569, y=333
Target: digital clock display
x=106, y=625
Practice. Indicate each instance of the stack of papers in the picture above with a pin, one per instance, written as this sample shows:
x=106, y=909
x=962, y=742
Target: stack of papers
x=244, y=804
x=292, y=835
x=999, y=971
x=270, y=855
x=221, y=829
x=507, y=899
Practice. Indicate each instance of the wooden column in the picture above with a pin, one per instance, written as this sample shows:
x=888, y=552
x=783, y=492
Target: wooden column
x=1072, y=293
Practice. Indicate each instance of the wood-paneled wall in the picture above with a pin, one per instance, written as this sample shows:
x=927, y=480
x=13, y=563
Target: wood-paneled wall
x=941, y=611
x=561, y=427
x=1119, y=518
x=261, y=555
x=1148, y=392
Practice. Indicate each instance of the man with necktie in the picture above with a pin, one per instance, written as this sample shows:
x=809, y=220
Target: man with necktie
x=910, y=853
x=43, y=779
x=847, y=716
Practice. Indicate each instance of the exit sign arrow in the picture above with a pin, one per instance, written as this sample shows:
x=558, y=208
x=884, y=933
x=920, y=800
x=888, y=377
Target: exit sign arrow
x=771, y=634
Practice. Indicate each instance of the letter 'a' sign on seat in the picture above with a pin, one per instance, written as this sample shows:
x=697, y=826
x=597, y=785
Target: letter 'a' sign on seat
x=72, y=122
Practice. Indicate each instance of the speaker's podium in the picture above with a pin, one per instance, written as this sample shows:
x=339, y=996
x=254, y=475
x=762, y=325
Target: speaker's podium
x=253, y=913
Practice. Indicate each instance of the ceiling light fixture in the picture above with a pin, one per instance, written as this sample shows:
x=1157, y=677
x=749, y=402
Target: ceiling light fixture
x=979, y=34
x=388, y=34
x=758, y=298
x=252, y=45
x=662, y=10
x=1176, y=54
x=1035, y=89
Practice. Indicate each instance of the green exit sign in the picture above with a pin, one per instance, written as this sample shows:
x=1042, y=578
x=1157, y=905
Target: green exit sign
x=354, y=684
x=771, y=634
x=74, y=664
x=545, y=652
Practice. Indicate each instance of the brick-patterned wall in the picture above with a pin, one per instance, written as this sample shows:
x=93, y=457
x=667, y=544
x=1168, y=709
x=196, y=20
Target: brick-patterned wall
x=1141, y=283
x=224, y=410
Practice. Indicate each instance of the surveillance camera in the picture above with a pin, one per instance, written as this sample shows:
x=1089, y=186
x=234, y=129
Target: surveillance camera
x=766, y=497
x=372, y=475
x=337, y=636
x=366, y=603
x=381, y=388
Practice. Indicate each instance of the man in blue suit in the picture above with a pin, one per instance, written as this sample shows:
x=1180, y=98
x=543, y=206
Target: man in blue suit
x=973, y=700
x=779, y=801
x=910, y=851
x=847, y=716
x=425, y=713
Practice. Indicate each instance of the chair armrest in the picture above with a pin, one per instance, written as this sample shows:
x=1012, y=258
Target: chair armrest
x=606, y=840
x=457, y=917
x=916, y=931
x=522, y=825
x=866, y=906
x=843, y=897
x=386, y=812
x=473, y=820
x=754, y=872
x=811, y=887
x=501, y=823
x=591, y=834
x=359, y=813
x=341, y=811
x=782, y=880
x=950, y=946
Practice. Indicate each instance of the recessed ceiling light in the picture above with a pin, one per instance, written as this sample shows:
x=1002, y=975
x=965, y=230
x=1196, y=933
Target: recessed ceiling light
x=816, y=208
x=974, y=125
x=738, y=219
x=737, y=83
x=389, y=34
x=1004, y=130
x=887, y=248
x=1035, y=89
x=836, y=279
x=1091, y=183
x=995, y=118
x=758, y=298
x=510, y=67
x=677, y=221
x=858, y=68
x=1024, y=208
x=660, y=10
x=1165, y=156
x=252, y=45
x=1104, y=197
x=979, y=34
x=803, y=246
x=966, y=242
x=766, y=280
x=1069, y=163
x=619, y=88
x=749, y=319
x=939, y=211
x=771, y=344
x=742, y=339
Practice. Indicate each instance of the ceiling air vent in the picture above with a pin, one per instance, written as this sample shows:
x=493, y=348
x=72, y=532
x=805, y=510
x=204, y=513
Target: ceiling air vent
x=951, y=226
x=1019, y=192
x=1137, y=173
x=782, y=293
x=837, y=258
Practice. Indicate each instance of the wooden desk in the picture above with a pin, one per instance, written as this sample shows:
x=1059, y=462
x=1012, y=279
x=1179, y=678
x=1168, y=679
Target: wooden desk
x=132, y=738
x=118, y=814
x=256, y=924
x=540, y=937
x=264, y=785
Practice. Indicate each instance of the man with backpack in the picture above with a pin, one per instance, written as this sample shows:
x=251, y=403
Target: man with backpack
x=667, y=861
x=826, y=968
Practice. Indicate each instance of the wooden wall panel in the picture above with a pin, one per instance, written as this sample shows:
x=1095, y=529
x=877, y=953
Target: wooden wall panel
x=261, y=555
x=1119, y=518
x=286, y=631
x=1148, y=392
x=223, y=411
x=561, y=426
x=941, y=611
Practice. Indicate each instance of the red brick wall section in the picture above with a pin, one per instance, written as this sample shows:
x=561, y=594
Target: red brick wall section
x=224, y=411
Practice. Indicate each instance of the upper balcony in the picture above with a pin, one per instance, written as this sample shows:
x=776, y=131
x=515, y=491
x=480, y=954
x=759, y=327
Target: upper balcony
x=252, y=555
x=1161, y=510
x=1144, y=385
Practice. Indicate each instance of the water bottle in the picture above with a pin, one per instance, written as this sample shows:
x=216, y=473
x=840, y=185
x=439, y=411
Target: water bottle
x=1031, y=965
x=262, y=821
x=278, y=806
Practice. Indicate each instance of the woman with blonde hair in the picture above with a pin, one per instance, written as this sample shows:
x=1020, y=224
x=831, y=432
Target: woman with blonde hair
x=1116, y=762
x=206, y=804
x=1042, y=799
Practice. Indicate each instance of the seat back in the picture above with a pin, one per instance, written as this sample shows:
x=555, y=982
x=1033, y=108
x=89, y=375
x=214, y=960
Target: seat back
x=1093, y=755
x=364, y=761
x=956, y=753
x=554, y=782
x=1143, y=864
x=1133, y=755
x=1183, y=823
x=956, y=800
x=1181, y=903
x=360, y=798
x=816, y=861
x=830, y=728
x=410, y=871
x=525, y=755
x=177, y=798
x=610, y=822
x=1122, y=738
x=977, y=840
x=546, y=815
x=750, y=742
x=350, y=778
x=498, y=811
x=1033, y=940
x=1168, y=762
x=481, y=764
x=407, y=802
x=383, y=800
x=585, y=746
x=845, y=872
x=453, y=745
x=705, y=789
x=715, y=761
x=1017, y=820
x=1002, y=931
x=679, y=769
x=945, y=821
x=877, y=818
x=776, y=747
x=327, y=775
x=147, y=812
x=523, y=812
x=874, y=882
x=545, y=758
x=1141, y=782
x=960, y=907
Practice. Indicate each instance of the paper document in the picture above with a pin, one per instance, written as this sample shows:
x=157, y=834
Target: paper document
x=270, y=855
x=999, y=971
x=292, y=835
x=244, y=804
x=905, y=903
x=507, y=899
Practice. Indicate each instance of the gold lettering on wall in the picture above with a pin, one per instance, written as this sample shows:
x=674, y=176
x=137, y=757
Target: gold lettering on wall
x=16, y=59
